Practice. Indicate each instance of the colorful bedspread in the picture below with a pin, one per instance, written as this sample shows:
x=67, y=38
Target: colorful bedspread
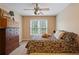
x=51, y=46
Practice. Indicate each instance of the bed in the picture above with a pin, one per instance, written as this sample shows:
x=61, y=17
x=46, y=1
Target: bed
x=62, y=45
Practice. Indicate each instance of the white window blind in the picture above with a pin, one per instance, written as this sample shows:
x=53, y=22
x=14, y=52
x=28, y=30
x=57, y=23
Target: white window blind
x=38, y=26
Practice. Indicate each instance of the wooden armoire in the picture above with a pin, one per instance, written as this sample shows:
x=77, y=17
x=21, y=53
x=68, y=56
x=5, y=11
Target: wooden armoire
x=9, y=37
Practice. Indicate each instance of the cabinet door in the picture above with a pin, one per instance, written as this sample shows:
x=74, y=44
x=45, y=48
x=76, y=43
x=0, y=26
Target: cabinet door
x=9, y=39
x=9, y=36
x=16, y=37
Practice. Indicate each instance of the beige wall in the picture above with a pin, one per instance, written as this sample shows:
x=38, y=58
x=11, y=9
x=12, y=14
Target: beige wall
x=68, y=19
x=17, y=22
x=26, y=24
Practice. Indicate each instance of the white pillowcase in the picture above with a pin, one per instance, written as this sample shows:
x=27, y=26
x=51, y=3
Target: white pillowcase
x=58, y=34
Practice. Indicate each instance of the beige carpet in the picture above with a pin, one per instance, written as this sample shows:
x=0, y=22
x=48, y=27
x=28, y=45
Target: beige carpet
x=21, y=50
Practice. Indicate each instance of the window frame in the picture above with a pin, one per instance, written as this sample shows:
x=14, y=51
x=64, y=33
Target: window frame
x=38, y=20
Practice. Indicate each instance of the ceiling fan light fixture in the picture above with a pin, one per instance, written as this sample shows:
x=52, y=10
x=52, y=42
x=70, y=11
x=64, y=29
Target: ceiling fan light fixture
x=38, y=13
x=35, y=13
x=37, y=10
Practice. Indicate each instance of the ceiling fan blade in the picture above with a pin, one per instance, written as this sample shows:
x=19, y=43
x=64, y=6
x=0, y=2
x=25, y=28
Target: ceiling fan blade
x=44, y=9
x=28, y=9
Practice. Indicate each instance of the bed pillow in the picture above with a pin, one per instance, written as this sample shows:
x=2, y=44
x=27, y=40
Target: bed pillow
x=58, y=34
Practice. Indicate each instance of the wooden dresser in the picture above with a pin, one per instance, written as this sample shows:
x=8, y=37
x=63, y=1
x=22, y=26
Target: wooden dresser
x=9, y=37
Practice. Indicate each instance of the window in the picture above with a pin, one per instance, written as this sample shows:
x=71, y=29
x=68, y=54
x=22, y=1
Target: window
x=38, y=27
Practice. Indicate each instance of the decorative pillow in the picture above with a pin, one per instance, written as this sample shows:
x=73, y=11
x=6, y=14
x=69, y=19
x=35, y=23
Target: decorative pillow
x=46, y=35
x=69, y=36
x=59, y=34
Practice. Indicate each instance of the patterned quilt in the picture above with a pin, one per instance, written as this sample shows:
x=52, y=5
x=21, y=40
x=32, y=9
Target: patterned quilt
x=51, y=46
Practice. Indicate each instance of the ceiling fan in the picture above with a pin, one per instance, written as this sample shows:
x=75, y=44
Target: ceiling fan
x=37, y=9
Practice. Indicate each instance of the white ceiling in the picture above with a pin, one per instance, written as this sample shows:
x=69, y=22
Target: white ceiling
x=54, y=8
